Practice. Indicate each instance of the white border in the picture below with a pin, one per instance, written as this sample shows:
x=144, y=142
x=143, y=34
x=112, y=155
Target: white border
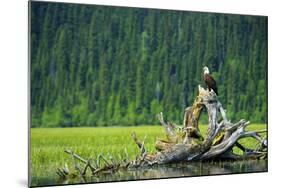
x=13, y=99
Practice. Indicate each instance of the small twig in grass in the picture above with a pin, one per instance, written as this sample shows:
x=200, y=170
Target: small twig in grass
x=60, y=173
x=76, y=156
x=100, y=156
x=138, y=142
x=143, y=151
x=88, y=165
x=65, y=169
x=261, y=131
x=76, y=166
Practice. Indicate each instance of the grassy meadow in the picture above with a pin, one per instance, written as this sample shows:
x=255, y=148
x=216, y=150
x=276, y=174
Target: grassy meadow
x=48, y=144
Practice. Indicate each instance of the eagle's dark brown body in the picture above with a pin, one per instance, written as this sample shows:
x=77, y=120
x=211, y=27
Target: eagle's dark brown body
x=211, y=83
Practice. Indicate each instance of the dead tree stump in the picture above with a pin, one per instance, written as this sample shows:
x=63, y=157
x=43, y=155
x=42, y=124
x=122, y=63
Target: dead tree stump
x=186, y=143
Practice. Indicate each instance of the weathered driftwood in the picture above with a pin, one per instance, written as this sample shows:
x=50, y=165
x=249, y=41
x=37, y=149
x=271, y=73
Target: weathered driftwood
x=186, y=143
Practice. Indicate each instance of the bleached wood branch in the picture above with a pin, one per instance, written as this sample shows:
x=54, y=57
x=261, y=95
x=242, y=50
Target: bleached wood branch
x=186, y=143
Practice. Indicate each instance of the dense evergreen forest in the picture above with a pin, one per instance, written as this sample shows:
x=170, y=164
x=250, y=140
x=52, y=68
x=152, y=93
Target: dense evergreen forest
x=102, y=66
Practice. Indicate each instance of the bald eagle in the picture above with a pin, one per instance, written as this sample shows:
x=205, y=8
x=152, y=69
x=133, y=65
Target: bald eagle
x=210, y=81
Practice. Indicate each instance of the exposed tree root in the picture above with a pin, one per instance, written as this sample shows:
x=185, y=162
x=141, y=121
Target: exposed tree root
x=185, y=143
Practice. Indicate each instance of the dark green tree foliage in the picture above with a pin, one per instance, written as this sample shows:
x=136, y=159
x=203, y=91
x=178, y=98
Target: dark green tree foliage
x=100, y=66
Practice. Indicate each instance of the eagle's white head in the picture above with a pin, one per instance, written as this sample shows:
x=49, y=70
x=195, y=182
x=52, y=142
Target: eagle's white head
x=206, y=70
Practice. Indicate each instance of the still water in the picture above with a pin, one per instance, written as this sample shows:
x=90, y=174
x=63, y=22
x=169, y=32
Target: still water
x=165, y=171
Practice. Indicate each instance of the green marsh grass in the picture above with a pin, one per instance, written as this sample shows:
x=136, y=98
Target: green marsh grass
x=48, y=144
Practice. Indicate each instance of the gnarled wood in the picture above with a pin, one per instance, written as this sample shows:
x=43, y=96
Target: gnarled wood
x=186, y=143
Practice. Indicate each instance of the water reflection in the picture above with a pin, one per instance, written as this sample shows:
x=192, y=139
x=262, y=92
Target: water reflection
x=165, y=171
